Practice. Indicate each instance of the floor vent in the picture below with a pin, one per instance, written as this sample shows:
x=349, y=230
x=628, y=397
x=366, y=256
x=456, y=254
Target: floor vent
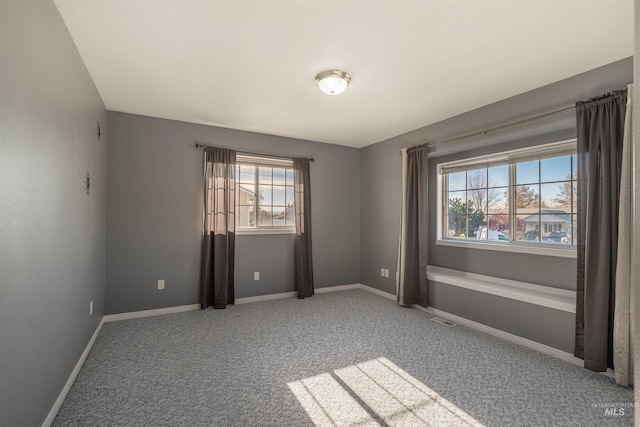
x=444, y=322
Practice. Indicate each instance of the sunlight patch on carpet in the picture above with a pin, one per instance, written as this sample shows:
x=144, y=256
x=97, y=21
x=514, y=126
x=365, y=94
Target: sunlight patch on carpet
x=375, y=393
x=327, y=403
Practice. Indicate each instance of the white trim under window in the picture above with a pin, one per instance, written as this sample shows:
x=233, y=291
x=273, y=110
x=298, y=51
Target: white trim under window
x=264, y=195
x=515, y=201
x=263, y=230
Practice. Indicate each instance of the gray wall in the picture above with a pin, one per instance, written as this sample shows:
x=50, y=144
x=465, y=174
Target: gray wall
x=154, y=214
x=380, y=171
x=52, y=235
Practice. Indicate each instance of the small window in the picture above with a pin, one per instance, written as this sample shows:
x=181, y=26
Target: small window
x=517, y=198
x=264, y=195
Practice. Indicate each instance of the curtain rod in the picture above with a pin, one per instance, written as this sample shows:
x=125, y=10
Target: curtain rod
x=311, y=159
x=494, y=129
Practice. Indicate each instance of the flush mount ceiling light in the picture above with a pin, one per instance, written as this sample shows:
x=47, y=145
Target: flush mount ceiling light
x=333, y=82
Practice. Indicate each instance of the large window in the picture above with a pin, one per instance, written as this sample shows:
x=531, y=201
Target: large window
x=517, y=198
x=264, y=195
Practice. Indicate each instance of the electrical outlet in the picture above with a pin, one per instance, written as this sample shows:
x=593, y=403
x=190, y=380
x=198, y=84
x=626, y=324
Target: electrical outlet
x=382, y=272
x=256, y=275
x=386, y=272
x=91, y=308
x=160, y=285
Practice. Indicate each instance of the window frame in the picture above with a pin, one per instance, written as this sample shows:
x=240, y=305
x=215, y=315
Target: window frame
x=257, y=162
x=510, y=158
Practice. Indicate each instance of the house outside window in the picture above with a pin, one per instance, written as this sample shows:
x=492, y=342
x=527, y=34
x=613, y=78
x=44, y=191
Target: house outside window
x=517, y=200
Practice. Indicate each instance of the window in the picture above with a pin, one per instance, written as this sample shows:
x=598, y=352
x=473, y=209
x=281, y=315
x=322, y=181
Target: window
x=264, y=195
x=520, y=198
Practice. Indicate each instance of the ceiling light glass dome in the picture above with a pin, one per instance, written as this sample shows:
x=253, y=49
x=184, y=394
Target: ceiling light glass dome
x=333, y=82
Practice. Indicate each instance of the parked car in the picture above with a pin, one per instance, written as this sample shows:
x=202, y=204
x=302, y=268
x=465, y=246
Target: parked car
x=559, y=237
x=481, y=234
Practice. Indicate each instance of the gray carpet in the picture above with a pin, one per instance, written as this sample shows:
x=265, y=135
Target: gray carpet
x=339, y=358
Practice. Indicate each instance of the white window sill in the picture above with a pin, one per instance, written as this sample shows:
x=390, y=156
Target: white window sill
x=546, y=296
x=258, y=231
x=539, y=249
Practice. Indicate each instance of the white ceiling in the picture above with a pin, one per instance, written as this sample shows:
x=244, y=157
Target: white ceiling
x=250, y=65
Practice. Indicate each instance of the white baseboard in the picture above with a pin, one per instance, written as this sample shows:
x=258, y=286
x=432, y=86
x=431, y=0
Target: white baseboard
x=148, y=313
x=292, y=294
x=269, y=297
x=542, y=348
x=74, y=374
x=245, y=300
x=338, y=288
x=378, y=292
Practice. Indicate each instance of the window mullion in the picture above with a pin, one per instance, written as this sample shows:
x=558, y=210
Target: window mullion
x=573, y=207
x=513, y=223
x=466, y=201
x=540, y=200
x=256, y=196
x=445, y=207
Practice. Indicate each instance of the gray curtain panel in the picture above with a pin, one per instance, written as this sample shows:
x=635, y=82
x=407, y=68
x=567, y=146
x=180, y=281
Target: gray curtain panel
x=412, y=259
x=302, y=202
x=218, y=240
x=600, y=131
x=623, y=330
